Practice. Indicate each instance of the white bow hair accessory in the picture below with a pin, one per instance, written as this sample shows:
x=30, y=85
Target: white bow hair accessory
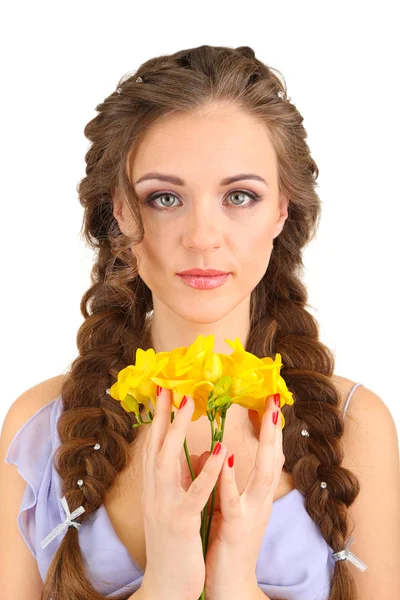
x=65, y=524
x=347, y=555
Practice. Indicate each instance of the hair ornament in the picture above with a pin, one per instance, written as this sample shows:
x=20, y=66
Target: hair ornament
x=305, y=433
x=65, y=524
x=138, y=80
x=281, y=95
x=345, y=554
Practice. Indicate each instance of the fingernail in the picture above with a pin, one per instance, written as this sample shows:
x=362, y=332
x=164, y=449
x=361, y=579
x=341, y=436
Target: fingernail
x=159, y=389
x=182, y=404
x=217, y=448
x=277, y=400
x=231, y=460
x=275, y=417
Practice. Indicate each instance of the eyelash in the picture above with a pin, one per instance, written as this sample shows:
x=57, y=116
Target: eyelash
x=255, y=198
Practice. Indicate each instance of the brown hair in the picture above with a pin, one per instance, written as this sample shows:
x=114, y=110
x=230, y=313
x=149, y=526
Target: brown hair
x=116, y=305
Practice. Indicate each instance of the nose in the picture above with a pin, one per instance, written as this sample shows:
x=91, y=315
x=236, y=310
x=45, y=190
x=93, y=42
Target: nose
x=203, y=227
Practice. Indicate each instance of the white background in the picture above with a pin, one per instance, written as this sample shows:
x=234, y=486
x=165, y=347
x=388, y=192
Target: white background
x=340, y=62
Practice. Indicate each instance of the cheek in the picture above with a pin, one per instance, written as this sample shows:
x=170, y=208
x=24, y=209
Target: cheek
x=253, y=258
x=258, y=245
x=154, y=257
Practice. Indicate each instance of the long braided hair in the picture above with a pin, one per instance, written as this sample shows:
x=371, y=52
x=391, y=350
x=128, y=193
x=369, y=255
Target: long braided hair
x=117, y=306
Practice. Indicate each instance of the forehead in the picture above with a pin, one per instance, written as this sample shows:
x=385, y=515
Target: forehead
x=217, y=141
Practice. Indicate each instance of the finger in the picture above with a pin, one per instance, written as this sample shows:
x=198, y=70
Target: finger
x=168, y=469
x=263, y=476
x=201, y=488
x=175, y=437
x=229, y=497
x=280, y=457
x=158, y=430
x=202, y=461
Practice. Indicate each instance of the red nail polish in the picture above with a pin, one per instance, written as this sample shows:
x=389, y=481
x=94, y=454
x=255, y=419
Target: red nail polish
x=275, y=417
x=159, y=388
x=182, y=404
x=277, y=400
x=231, y=460
x=217, y=448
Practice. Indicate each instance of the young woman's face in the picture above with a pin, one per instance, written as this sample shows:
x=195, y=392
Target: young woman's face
x=204, y=222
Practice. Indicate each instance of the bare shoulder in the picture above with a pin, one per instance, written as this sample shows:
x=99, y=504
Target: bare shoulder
x=371, y=452
x=364, y=400
x=19, y=573
x=26, y=405
x=367, y=418
x=343, y=386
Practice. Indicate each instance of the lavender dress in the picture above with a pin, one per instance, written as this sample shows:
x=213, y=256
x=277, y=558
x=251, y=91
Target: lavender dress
x=294, y=563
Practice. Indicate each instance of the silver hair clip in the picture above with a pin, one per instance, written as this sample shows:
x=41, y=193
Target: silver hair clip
x=282, y=96
x=138, y=80
x=65, y=524
x=347, y=555
x=80, y=481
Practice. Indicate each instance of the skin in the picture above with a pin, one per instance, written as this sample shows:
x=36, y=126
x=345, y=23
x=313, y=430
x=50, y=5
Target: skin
x=200, y=226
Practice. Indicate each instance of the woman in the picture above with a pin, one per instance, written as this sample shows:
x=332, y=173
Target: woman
x=199, y=161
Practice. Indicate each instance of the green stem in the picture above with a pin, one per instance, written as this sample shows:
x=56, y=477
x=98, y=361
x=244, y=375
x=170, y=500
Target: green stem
x=188, y=459
x=220, y=436
x=205, y=511
x=216, y=435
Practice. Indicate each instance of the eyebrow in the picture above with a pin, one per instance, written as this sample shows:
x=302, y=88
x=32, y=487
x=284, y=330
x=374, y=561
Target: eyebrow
x=178, y=181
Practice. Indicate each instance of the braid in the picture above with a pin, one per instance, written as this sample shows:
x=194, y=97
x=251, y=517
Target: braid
x=308, y=368
x=116, y=306
x=105, y=342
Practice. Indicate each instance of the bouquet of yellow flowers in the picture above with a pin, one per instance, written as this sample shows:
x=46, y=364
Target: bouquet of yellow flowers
x=215, y=381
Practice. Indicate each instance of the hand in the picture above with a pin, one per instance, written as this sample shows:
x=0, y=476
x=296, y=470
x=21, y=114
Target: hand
x=172, y=515
x=238, y=526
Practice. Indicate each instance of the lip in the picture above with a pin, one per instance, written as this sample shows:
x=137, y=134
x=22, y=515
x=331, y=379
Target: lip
x=204, y=283
x=203, y=272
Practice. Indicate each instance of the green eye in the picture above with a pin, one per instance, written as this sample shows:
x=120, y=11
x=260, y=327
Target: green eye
x=150, y=201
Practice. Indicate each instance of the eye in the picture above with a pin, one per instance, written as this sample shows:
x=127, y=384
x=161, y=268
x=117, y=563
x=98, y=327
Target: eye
x=254, y=198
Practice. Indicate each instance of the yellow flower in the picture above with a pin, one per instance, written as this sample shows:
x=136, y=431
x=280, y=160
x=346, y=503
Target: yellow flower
x=211, y=379
x=253, y=378
x=134, y=384
x=191, y=372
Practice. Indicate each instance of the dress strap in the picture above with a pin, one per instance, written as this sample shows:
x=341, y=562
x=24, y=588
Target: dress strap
x=353, y=389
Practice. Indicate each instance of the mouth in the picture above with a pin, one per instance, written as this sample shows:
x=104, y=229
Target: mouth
x=203, y=272
x=204, y=282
